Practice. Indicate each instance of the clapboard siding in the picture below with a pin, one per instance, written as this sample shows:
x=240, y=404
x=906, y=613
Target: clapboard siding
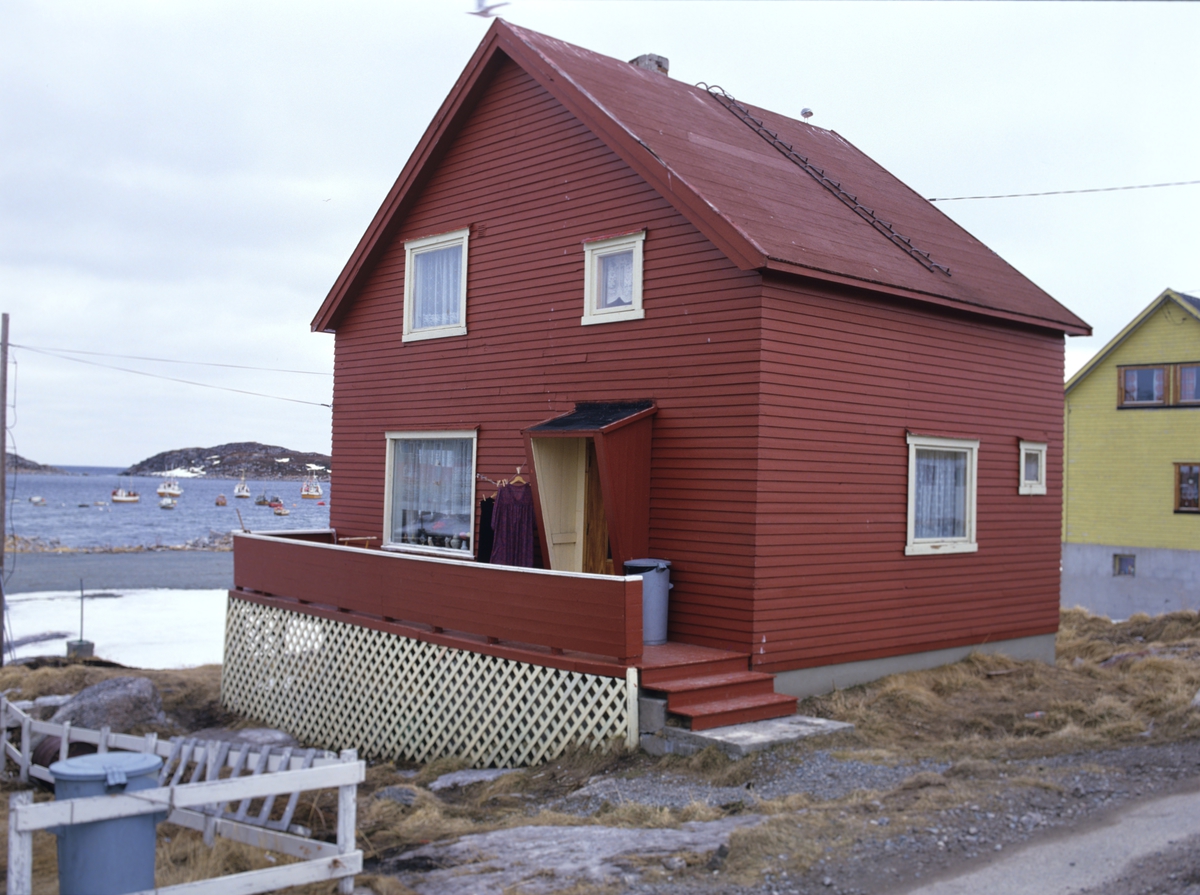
x=533, y=183
x=845, y=377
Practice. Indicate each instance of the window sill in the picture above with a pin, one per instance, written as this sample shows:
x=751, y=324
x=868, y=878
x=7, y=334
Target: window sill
x=442, y=332
x=1031, y=489
x=613, y=316
x=933, y=548
x=444, y=552
x=1187, y=512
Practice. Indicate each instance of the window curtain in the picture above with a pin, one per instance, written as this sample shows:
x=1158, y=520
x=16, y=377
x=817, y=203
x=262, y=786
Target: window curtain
x=1143, y=385
x=431, y=497
x=1187, y=377
x=438, y=287
x=941, y=498
x=616, y=280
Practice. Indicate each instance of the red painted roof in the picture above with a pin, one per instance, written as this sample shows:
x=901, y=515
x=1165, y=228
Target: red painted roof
x=760, y=208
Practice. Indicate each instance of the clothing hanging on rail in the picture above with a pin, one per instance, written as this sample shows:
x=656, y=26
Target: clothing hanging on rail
x=486, y=507
x=513, y=526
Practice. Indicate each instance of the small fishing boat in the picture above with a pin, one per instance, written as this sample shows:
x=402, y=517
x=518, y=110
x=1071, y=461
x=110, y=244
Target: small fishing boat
x=311, y=489
x=221, y=500
x=38, y=501
x=241, y=489
x=281, y=510
x=275, y=502
x=169, y=488
x=167, y=503
x=123, y=495
x=262, y=500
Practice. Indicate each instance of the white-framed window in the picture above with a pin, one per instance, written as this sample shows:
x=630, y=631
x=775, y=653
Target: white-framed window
x=435, y=286
x=1033, y=468
x=941, y=495
x=612, y=285
x=429, y=501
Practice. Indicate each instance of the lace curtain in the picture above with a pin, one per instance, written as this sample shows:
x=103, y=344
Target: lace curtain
x=437, y=288
x=431, y=496
x=941, y=498
x=616, y=280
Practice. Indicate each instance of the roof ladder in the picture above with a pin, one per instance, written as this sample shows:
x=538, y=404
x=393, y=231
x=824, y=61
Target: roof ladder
x=851, y=202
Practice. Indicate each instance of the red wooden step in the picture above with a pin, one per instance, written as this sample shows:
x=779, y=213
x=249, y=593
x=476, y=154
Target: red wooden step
x=729, y=663
x=738, y=711
x=687, y=691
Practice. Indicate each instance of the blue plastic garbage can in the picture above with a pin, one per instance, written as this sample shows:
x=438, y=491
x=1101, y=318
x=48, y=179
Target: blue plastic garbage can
x=656, y=589
x=108, y=857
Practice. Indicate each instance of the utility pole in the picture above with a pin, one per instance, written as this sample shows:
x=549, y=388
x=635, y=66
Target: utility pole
x=3, y=478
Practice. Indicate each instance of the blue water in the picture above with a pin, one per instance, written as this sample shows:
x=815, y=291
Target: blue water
x=144, y=523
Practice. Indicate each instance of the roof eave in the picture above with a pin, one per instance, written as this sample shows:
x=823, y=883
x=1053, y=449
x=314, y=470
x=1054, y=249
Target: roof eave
x=1134, y=324
x=789, y=267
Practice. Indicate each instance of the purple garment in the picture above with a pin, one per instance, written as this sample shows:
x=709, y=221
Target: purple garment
x=513, y=524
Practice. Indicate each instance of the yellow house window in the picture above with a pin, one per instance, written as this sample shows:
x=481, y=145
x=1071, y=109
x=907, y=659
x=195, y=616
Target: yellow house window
x=1141, y=386
x=1187, y=488
x=1189, y=378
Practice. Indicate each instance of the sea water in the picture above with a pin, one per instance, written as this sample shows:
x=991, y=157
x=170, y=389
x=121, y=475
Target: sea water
x=79, y=511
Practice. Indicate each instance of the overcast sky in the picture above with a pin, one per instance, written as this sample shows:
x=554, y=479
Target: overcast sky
x=185, y=180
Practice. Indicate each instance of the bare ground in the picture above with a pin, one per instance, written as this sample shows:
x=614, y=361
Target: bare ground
x=945, y=769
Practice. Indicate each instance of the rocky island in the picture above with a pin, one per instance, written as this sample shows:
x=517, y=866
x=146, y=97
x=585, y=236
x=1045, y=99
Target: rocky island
x=231, y=461
x=17, y=463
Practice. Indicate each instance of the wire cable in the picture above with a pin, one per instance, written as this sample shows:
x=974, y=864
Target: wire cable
x=224, y=388
x=167, y=360
x=1100, y=189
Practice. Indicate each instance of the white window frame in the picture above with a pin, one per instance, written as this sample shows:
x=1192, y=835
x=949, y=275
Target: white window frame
x=414, y=247
x=1038, y=485
x=929, y=546
x=389, y=475
x=595, y=249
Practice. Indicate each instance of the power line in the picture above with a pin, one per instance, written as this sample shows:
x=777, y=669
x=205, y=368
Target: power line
x=1101, y=189
x=240, y=391
x=168, y=360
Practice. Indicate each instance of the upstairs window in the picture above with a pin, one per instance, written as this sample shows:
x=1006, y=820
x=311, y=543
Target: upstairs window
x=612, y=286
x=430, y=498
x=1188, y=375
x=435, y=286
x=941, y=495
x=1141, y=385
x=1033, y=468
x=1187, y=488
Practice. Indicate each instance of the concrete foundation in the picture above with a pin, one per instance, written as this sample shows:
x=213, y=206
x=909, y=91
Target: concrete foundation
x=740, y=740
x=816, y=681
x=1162, y=580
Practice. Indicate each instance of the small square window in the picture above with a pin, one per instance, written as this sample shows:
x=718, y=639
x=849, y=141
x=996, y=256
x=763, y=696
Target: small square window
x=1124, y=565
x=1141, y=386
x=435, y=286
x=429, y=498
x=612, y=286
x=1033, y=468
x=941, y=495
x=1187, y=488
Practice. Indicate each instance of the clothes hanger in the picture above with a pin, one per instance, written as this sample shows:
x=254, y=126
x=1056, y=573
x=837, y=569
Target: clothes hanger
x=518, y=479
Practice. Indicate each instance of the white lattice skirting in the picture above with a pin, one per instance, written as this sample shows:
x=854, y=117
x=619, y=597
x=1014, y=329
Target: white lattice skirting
x=341, y=686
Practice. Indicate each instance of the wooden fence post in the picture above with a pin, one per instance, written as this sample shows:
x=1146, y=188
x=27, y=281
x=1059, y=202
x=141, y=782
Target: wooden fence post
x=347, y=822
x=633, y=735
x=26, y=747
x=20, y=848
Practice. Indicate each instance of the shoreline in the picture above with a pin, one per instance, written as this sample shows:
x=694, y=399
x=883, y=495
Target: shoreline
x=131, y=570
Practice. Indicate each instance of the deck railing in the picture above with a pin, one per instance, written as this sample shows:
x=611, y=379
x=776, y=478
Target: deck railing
x=596, y=614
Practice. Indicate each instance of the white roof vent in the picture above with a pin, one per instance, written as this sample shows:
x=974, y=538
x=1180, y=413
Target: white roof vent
x=652, y=62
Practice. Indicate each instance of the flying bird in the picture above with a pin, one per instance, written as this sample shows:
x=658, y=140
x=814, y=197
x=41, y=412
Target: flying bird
x=485, y=11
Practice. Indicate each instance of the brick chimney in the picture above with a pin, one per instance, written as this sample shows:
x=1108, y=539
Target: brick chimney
x=652, y=62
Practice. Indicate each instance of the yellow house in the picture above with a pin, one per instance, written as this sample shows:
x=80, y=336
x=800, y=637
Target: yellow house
x=1131, y=472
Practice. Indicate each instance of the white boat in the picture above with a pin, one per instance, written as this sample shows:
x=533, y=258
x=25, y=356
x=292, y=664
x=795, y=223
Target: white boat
x=167, y=503
x=282, y=511
x=169, y=488
x=311, y=489
x=241, y=489
x=38, y=501
x=124, y=495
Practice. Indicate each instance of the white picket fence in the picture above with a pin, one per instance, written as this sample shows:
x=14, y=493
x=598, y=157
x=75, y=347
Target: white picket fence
x=197, y=805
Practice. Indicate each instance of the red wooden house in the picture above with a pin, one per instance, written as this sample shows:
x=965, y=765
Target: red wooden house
x=707, y=333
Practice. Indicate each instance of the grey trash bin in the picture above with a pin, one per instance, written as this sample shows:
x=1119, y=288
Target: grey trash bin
x=656, y=588
x=108, y=857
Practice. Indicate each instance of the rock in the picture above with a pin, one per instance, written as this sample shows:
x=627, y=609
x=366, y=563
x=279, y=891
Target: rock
x=675, y=863
x=718, y=857
x=255, y=736
x=121, y=703
x=466, y=778
x=401, y=795
x=1196, y=700
x=827, y=882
